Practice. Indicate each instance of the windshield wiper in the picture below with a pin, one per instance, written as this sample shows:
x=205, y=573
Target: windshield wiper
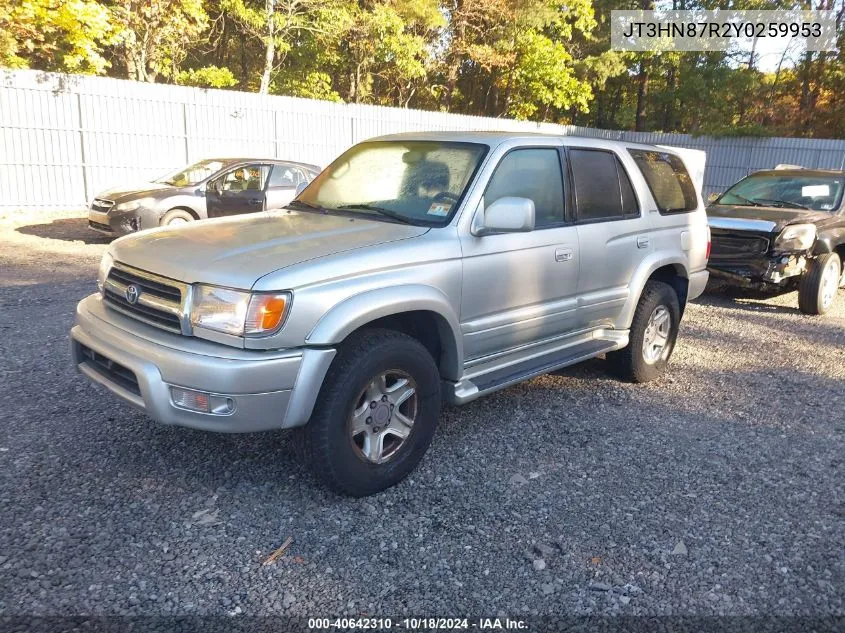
x=786, y=203
x=381, y=210
x=302, y=204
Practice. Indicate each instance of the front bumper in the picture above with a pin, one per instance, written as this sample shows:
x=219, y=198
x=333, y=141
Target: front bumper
x=118, y=223
x=764, y=273
x=140, y=363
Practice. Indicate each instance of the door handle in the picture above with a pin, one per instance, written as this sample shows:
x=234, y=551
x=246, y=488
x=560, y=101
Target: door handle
x=643, y=241
x=564, y=255
x=254, y=201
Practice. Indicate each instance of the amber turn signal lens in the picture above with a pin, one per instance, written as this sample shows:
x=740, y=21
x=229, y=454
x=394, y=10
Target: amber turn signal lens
x=266, y=312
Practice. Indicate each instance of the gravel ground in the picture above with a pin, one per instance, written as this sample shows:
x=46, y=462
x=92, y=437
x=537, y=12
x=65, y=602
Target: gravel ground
x=716, y=490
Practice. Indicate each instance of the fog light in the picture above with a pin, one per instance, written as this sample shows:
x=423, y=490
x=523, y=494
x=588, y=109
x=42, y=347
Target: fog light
x=201, y=401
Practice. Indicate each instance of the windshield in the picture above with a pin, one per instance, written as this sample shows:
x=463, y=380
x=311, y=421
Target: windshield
x=418, y=182
x=791, y=191
x=194, y=174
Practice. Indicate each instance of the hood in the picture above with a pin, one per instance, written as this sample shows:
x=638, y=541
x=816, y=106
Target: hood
x=768, y=219
x=235, y=252
x=133, y=191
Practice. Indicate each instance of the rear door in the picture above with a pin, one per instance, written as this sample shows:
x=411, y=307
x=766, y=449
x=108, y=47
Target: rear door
x=239, y=190
x=612, y=231
x=284, y=179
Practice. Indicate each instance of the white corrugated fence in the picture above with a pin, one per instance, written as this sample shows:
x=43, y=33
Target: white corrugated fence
x=63, y=138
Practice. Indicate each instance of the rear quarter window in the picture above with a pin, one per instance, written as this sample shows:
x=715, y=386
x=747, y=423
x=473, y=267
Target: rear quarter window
x=668, y=180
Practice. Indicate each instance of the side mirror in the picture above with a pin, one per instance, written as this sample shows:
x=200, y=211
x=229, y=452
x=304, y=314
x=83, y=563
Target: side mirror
x=301, y=187
x=505, y=215
x=712, y=198
x=215, y=186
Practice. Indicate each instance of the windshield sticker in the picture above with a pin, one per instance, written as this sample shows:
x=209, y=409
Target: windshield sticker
x=815, y=190
x=440, y=209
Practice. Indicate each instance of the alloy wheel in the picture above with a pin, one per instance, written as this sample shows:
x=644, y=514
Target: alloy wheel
x=384, y=415
x=656, y=336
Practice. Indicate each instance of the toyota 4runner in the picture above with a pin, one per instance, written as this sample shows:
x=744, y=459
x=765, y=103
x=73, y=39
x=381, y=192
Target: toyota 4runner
x=417, y=269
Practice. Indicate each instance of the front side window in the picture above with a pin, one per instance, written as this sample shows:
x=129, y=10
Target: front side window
x=418, y=182
x=246, y=178
x=194, y=174
x=603, y=190
x=792, y=191
x=668, y=180
x=535, y=174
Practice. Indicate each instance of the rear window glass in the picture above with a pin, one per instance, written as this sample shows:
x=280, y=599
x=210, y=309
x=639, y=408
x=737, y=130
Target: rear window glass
x=668, y=180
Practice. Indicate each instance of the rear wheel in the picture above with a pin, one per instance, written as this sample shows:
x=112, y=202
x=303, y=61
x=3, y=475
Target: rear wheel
x=175, y=217
x=819, y=285
x=654, y=331
x=376, y=413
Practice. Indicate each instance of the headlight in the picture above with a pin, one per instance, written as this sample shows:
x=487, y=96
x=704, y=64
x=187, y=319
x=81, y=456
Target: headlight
x=103, y=272
x=133, y=205
x=797, y=237
x=237, y=312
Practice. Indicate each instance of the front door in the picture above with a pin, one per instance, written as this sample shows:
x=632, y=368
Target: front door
x=520, y=288
x=239, y=190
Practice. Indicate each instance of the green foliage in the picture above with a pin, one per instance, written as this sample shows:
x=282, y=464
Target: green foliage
x=543, y=60
x=59, y=35
x=155, y=36
x=313, y=86
x=207, y=77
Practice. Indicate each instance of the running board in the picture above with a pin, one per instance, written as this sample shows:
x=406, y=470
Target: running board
x=467, y=390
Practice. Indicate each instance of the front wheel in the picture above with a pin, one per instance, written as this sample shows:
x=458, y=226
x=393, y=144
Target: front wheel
x=376, y=413
x=175, y=217
x=819, y=285
x=654, y=331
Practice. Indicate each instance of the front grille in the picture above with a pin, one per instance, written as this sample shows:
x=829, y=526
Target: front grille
x=738, y=246
x=158, y=300
x=107, y=368
x=101, y=205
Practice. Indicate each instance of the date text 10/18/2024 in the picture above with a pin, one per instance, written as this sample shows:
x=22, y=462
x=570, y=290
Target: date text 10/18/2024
x=490, y=624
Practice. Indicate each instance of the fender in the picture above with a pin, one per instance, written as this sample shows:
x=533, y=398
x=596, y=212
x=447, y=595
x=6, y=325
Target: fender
x=355, y=312
x=653, y=262
x=829, y=240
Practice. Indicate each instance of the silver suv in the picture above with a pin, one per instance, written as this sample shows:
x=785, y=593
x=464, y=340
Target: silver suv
x=417, y=269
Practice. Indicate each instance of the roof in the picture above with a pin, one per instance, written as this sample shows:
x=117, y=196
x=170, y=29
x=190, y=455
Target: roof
x=230, y=160
x=493, y=138
x=800, y=172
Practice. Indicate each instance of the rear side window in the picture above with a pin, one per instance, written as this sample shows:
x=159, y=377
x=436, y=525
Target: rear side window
x=603, y=190
x=668, y=180
x=534, y=174
x=286, y=176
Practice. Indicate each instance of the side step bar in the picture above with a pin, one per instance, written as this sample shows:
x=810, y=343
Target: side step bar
x=468, y=390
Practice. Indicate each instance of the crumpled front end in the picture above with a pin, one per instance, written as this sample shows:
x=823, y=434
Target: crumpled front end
x=749, y=259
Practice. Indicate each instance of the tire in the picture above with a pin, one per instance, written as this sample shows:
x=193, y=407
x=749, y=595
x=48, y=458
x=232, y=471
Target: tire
x=341, y=453
x=633, y=363
x=175, y=216
x=819, y=285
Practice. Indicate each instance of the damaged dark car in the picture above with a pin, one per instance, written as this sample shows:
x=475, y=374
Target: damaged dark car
x=780, y=230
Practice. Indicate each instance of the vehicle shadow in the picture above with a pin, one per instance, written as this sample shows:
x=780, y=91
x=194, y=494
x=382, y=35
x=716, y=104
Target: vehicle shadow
x=749, y=301
x=66, y=229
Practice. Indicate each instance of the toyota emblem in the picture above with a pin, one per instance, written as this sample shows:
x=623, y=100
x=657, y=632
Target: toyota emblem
x=132, y=294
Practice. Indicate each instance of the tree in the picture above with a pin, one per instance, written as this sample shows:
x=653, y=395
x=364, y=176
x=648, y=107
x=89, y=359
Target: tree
x=274, y=23
x=58, y=35
x=155, y=35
